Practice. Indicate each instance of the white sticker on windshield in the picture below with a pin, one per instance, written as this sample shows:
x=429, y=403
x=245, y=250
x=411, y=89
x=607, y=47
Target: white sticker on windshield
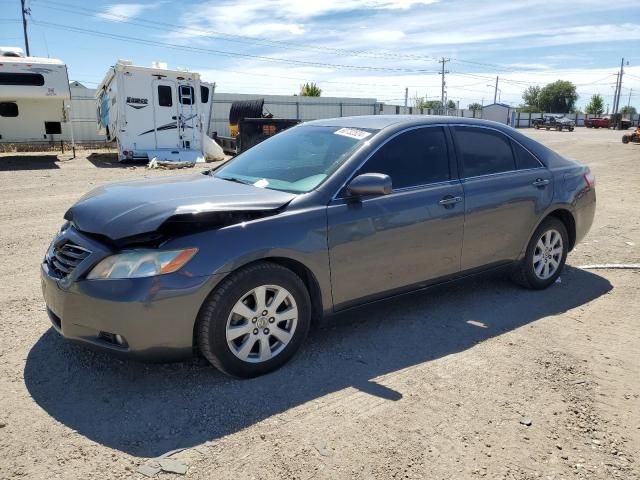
x=352, y=133
x=262, y=183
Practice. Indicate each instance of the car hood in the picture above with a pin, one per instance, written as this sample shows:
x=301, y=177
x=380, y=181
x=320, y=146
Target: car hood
x=122, y=210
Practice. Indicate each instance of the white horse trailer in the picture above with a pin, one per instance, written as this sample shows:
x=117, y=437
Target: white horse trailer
x=154, y=112
x=33, y=92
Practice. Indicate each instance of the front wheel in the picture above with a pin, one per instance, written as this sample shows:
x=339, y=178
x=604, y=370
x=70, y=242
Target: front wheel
x=545, y=256
x=255, y=320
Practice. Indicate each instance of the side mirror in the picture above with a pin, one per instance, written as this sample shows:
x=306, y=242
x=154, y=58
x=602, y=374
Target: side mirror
x=369, y=184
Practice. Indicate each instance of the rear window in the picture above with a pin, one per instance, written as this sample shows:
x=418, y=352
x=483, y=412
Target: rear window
x=483, y=151
x=29, y=79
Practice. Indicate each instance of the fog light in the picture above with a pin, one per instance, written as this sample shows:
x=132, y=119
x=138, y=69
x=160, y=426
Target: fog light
x=113, y=338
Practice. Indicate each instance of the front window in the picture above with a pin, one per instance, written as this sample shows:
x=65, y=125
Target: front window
x=295, y=160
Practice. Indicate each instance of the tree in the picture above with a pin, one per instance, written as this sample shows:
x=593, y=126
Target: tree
x=310, y=90
x=558, y=97
x=427, y=104
x=596, y=105
x=531, y=97
x=475, y=106
x=628, y=110
x=451, y=105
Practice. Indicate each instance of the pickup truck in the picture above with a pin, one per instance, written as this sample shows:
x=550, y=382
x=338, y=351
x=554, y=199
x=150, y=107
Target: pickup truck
x=557, y=122
x=605, y=122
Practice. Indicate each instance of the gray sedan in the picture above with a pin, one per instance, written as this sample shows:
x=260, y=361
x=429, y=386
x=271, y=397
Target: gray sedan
x=238, y=263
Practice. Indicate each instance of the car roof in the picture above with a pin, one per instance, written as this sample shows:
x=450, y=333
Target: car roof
x=379, y=122
x=394, y=123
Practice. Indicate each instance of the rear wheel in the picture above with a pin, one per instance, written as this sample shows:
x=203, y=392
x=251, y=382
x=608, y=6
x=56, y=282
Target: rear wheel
x=255, y=320
x=545, y=256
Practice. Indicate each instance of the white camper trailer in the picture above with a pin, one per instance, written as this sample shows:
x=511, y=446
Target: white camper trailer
x=32, y=97
x=153, y=112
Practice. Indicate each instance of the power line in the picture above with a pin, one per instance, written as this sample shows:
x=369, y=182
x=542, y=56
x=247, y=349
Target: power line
x=225, y=53
x=73, y=9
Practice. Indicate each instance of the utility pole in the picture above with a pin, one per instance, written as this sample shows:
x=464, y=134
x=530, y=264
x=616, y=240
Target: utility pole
x=617, y=105
x=406, y=96
x=25, y=11
x=629, y=102
x=443, y=61
x=495, y=92
x=615, y=93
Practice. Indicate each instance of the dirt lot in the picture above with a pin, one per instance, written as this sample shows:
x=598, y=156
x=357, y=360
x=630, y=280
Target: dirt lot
x=478, y=379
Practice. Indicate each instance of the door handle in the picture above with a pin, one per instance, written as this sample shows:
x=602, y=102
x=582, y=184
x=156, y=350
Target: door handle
x=540, y=182
x=449, y=200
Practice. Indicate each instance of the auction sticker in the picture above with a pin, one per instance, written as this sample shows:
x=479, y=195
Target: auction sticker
x=352, y=133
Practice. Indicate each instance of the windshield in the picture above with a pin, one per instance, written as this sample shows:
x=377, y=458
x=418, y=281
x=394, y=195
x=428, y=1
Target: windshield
x=296, y=160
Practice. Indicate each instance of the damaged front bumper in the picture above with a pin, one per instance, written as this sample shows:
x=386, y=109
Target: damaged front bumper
x=149, y=318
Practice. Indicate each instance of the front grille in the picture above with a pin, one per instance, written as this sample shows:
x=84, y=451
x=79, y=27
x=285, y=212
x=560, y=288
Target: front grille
x=66, y=257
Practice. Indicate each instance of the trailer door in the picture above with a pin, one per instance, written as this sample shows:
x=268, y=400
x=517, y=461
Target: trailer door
x=189, y=125
x=165, y=113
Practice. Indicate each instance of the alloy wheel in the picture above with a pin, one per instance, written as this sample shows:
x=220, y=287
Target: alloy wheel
x=262, y=323
x=547, y=254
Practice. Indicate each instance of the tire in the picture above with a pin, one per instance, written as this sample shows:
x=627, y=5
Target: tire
x=536, y=126
x=559, y=128
x=571, y=129
x=217, y=319
x=525, y=272
x=625, y=139
x=547, y=128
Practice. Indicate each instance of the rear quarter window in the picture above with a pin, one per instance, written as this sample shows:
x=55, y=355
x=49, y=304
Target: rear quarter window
x=524, y=159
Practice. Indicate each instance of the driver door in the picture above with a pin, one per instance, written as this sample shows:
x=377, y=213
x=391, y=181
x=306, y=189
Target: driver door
x=393, y=242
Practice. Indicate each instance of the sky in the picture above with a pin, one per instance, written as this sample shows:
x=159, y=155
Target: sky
x=351, y=48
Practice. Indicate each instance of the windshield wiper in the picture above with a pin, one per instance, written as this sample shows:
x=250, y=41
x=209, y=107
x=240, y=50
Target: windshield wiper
x=237, y=180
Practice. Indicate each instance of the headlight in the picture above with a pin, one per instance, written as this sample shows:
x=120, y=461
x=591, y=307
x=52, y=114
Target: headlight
x=141, y=263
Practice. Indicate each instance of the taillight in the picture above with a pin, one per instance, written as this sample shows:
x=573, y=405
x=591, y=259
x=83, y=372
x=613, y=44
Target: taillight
x=590, y=179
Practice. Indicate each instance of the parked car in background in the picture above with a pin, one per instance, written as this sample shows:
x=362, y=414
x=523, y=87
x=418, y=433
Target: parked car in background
x=557, y=122
x=607, y=121
x=322, y=217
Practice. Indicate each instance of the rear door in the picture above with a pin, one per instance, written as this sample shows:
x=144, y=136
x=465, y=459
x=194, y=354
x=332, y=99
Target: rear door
x=165, y=112
x=386, y=243
x=506, y=189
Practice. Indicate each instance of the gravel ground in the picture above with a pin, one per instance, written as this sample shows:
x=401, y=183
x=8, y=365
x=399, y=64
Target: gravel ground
x=476, y=379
